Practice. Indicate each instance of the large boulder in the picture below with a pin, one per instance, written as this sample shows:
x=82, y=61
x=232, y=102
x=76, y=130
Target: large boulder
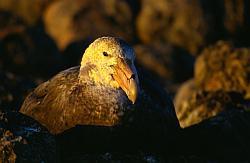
x=67, y=22
x=223, y=67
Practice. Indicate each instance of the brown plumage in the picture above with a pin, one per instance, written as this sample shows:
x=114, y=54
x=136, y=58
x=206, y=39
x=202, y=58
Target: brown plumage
x=104, y=91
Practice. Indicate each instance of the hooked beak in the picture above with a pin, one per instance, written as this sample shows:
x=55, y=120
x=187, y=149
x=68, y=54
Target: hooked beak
x=126, y=79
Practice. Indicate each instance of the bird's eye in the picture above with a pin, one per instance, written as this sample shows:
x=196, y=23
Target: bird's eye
x=105, y=54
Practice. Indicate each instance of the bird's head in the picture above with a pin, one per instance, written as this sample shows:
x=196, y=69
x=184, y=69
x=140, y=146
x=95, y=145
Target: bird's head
x=109, y=61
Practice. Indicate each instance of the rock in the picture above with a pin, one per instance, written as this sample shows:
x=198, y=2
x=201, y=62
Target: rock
x=68, y=22
x=236, y=21
x=219, y=70
x=223, y=67
x=216, y=124
x=169, y=63
x=10, y=24
x=107, y=157
x=24, y=140
x=28, y=51
x=182, y=102
x=194, y=24
x=29, y=10
x=13, y=90
x=224, y=137
x=172, y=22
x=199, y=105
x=105, y=144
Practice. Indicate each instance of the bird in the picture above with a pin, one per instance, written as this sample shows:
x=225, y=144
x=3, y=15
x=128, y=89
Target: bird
x=103, y=91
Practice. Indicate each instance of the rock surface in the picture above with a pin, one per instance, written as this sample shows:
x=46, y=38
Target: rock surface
x=223, y=67
x=24, y=140
x=201, y=105
x=173, y=22
x=223, y=138
x=84, y=20
x=219, y=70
x=29, y=10
x=169, y=63
x=13, y=90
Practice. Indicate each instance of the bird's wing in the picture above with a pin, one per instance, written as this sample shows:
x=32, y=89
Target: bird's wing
x=48, y=101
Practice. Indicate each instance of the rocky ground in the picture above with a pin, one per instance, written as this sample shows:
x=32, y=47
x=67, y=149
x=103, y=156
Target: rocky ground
x=197, y=50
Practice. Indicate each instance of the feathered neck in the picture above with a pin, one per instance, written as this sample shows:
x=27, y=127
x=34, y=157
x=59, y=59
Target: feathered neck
x=90, y=73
